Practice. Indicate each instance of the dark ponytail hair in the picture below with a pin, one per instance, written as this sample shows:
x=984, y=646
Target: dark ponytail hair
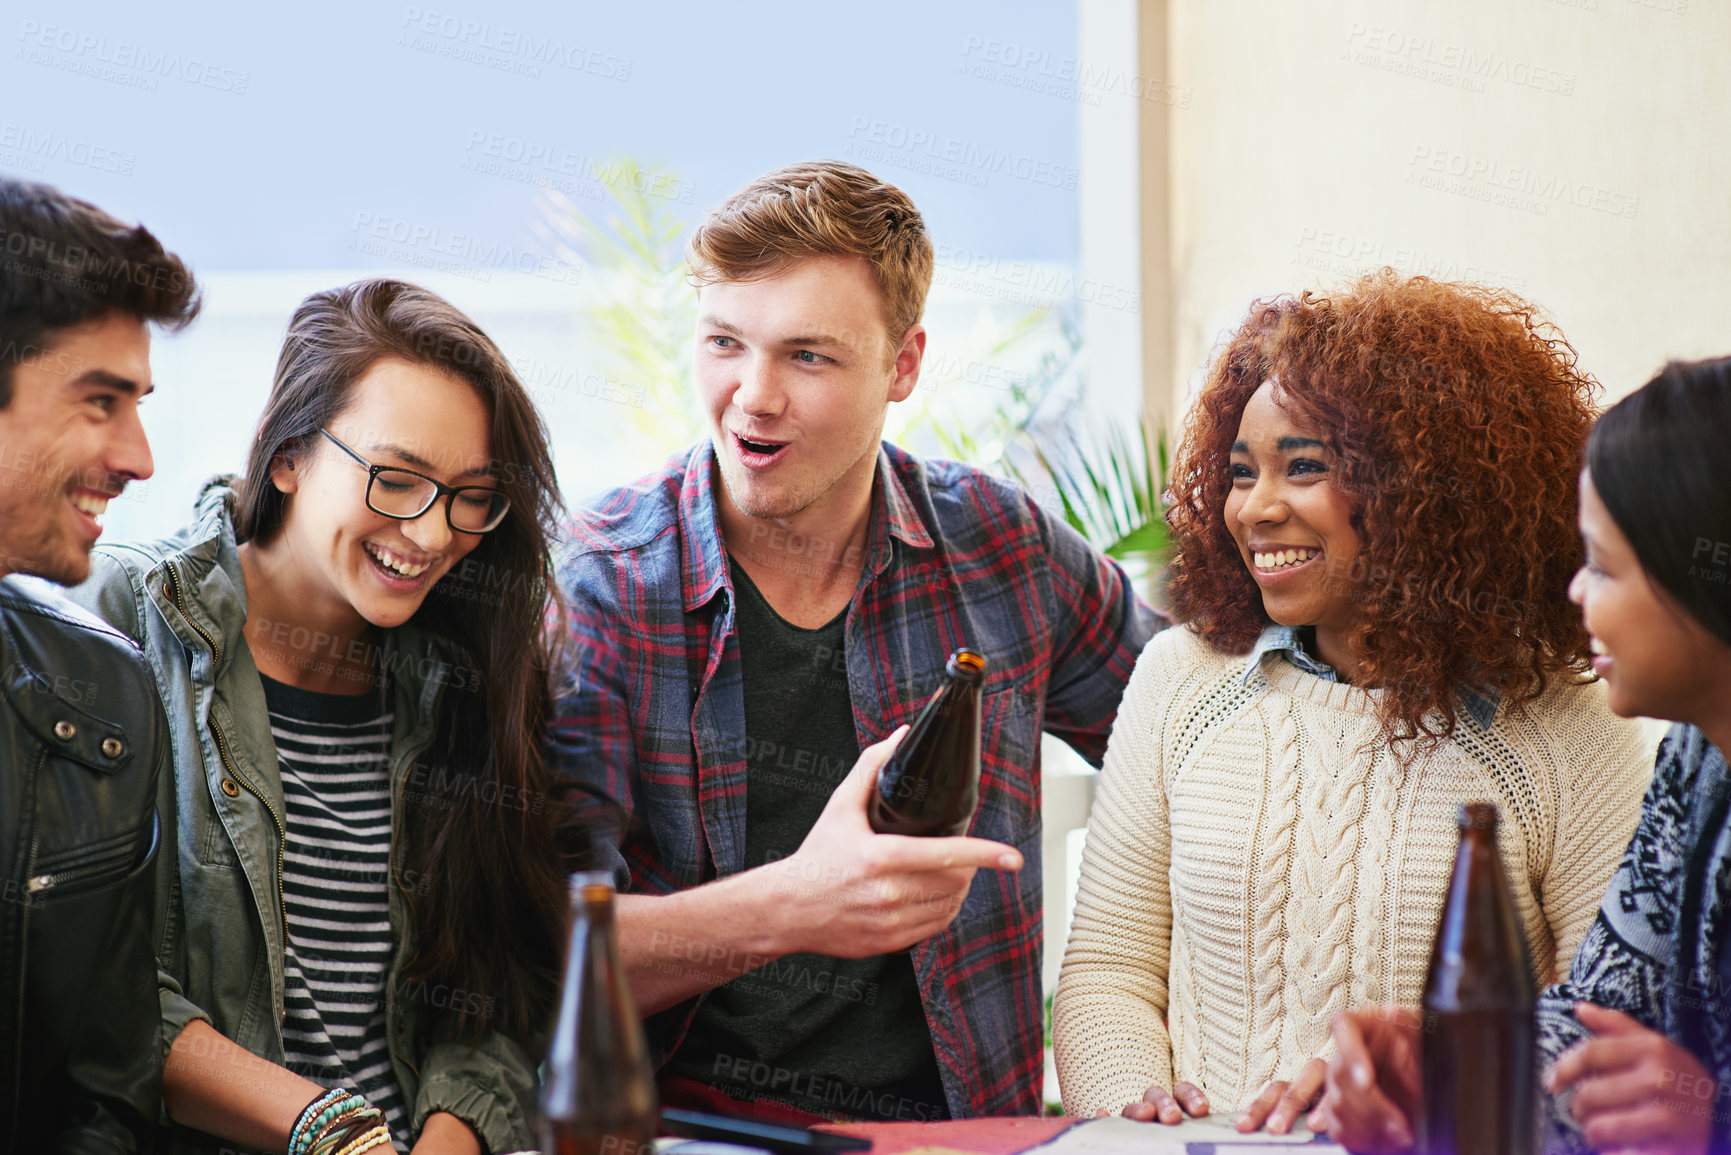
x=1653, y=461
x=478, y=865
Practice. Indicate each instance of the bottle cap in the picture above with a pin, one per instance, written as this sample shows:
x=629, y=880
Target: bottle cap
x=591, y=885
x=967, y=664
x=1477, y=816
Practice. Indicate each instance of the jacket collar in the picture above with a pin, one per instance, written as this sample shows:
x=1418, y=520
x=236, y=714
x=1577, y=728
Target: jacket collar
x=703, y=554
x=199, y=583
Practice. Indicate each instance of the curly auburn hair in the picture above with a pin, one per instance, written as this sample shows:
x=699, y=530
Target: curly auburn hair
x=1456, y=414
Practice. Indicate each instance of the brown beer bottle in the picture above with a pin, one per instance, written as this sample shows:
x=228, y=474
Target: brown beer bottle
x=599, y=1094
x=931, y=785
x=1478, y=1092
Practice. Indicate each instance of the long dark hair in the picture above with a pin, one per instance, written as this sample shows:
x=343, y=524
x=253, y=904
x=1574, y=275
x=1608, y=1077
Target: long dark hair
x=1652, y=460
x=478, y=863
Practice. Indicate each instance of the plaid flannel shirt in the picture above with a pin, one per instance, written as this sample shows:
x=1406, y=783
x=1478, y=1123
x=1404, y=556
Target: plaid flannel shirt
x=654, y=720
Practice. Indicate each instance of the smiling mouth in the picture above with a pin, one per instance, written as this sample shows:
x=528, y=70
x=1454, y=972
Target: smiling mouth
x=90, y=504
x=395, y=564
x=1280, y=560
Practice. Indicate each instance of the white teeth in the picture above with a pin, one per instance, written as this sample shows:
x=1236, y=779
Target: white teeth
x=396, y=563
x=1281, y=558
x=1597, y=646
x=94, y=506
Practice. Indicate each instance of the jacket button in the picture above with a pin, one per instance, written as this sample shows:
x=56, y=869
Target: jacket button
x=230, y=787
x=111, y=747
x=64, y=730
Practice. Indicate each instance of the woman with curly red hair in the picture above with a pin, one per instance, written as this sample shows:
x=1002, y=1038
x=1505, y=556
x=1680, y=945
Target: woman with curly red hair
x=1374, y=514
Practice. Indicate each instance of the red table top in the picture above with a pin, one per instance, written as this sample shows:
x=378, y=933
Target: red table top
x=997, y=1136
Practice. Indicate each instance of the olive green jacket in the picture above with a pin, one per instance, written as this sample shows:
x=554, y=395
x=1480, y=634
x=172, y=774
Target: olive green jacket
x=219, y=932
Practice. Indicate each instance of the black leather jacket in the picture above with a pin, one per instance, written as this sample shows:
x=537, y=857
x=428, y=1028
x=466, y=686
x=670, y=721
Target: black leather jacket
x=82, y=742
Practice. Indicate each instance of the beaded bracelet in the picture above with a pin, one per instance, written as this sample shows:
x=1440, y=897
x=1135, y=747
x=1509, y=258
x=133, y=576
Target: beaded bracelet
x=331, y=1124
x=316, y=1114
x=343, y=1129
x=369, y=1140
x=297, y=1138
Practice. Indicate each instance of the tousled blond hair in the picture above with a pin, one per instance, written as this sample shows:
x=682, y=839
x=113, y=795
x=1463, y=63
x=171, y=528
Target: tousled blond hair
x=819, y=208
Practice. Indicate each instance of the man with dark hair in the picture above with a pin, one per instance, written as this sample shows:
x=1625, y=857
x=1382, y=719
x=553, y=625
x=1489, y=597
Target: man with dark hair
x=82, y=739
x=759, y=617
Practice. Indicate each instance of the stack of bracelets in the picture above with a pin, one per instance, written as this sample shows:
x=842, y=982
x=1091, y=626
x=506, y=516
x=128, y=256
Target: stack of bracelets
x=338, y=1122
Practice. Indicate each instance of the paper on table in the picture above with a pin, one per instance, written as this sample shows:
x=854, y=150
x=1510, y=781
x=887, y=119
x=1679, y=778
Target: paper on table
x=1209, y=1135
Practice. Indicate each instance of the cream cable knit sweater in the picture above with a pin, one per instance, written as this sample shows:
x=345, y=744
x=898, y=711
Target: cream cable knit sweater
x=1256, y=862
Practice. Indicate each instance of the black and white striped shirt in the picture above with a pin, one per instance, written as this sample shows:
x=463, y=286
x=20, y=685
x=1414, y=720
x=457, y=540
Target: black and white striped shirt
x=334, y=752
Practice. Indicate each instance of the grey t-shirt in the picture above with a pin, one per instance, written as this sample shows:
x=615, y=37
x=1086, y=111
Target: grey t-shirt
x=837, y=1038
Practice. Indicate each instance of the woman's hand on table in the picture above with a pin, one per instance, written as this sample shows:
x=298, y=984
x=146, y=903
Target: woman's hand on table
x=1371, y=1100
x=1283, y=1101
x=1158, y=1105
x=1635, y=1089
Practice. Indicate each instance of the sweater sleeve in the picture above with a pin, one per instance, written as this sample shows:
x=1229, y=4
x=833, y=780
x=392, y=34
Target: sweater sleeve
x=1624, y=961
x=1604, y=768
x=1109, y=1015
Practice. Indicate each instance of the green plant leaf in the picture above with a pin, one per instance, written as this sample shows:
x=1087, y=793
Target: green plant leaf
x=643, y=319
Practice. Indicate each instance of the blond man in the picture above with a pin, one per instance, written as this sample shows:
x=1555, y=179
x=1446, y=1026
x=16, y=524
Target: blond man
x=755, y=622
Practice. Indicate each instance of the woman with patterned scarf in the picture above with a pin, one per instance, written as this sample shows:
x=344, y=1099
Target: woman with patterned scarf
x=1636, y=1042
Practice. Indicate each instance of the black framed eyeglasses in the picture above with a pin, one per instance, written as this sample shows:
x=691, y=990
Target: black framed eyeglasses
x=406, y=495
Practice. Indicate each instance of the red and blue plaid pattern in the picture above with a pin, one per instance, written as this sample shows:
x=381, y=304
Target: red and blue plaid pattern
x=654, y=719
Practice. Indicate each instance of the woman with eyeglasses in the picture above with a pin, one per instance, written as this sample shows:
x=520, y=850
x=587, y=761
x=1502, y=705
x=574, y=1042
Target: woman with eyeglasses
x=358, y=933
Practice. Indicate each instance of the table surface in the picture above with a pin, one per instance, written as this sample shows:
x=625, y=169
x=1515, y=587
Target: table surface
x=1109, y=1136
x=990, y=1136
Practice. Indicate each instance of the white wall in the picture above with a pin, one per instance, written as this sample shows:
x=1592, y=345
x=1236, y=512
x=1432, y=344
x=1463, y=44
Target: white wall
x=1577, y=151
